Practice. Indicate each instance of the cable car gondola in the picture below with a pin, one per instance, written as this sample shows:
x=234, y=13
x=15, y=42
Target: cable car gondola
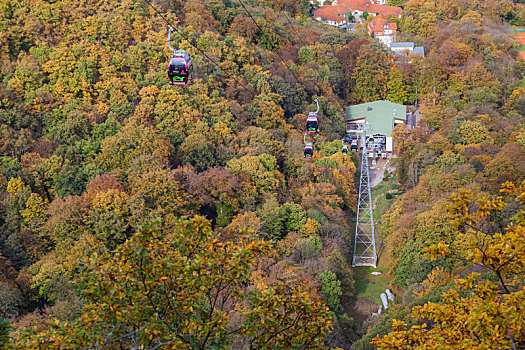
x=353, y=146
x=308, y=150
x=312, y=123
x=345, y=150
x=180, y=67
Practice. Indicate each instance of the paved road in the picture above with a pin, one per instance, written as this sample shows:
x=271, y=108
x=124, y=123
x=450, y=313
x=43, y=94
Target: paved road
x=377, y=171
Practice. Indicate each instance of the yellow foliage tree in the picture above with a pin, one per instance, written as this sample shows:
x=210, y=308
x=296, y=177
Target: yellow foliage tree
x=476, y=313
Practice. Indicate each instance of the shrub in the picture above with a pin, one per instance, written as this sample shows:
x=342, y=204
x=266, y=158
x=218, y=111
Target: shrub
x=331, y=291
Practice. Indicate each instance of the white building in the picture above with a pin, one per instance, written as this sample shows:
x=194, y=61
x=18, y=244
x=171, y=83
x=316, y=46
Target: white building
x=406, y=48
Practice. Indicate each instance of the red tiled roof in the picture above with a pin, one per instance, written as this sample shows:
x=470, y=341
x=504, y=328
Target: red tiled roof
x=379, y=24
x=520, y=39
x=384, y=10
x=330, y=12
x=522, y=55
x=355, y=4
x=368, y=6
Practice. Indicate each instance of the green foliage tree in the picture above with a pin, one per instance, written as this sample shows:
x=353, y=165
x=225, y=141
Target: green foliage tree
x=10, y=298
x=198, y=151
x=305, y=54
x=132, y=141
x=267, y=36
x=70, y=181
x=262, y=170
x=331, y=290
x=4, y=333
x=280, y=220
x=179, y=289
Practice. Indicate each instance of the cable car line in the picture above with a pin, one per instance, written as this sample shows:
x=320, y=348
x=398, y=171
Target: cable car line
x=249, y=89
x=181, y=34
x=308, y=151
x=289, y=21
x=281, y=57
x=312, y=122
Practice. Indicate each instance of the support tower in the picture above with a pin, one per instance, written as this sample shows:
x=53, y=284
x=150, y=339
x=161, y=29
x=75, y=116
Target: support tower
x=364, y=245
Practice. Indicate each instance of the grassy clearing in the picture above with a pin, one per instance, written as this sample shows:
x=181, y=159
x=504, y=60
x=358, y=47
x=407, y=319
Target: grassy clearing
x=379, y=194
x=370, y=286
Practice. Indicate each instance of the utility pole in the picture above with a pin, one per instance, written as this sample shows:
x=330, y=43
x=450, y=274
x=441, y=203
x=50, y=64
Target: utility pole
x=347, y=19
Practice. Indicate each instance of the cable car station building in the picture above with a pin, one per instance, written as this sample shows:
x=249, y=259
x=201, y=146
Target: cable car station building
x=381, y=116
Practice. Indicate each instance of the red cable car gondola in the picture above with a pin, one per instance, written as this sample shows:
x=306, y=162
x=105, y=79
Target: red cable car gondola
x=353, y=146
x=312, y=123
x=308, y=150
x=180, y=67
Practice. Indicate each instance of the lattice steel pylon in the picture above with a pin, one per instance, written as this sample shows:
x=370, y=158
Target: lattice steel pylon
x=365, y=244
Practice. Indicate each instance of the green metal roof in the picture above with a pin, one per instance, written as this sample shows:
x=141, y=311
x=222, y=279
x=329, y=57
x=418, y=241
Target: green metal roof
x=378, y=113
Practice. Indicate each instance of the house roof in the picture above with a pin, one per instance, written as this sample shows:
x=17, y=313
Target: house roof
x=379, y=24
x=419, y=50
x=380, y=114
x=384, y=10
x=331, y=12
x=402, y=44
x=355, y=4
x=416, y=50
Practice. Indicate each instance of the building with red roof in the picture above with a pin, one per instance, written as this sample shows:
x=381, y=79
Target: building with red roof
x=331, y=14
x=382, y=29
x=384, y=10
x=335, y=14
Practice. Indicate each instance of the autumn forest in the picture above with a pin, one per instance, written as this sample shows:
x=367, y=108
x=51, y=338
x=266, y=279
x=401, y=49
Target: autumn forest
x=135, y=214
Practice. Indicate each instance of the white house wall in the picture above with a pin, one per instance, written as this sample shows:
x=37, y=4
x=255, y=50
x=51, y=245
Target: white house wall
x=388, y=146
x=386, y=39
